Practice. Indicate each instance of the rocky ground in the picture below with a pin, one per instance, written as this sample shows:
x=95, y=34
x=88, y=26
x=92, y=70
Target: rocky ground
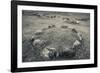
x=58, y=36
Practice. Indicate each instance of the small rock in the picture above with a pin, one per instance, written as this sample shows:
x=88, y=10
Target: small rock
x=64, y=26
x=38, y=32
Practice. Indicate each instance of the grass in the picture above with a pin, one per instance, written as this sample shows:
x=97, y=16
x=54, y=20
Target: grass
x=55, y=36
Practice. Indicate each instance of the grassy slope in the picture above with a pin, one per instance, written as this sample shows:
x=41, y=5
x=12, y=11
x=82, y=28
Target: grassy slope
x=58, y=36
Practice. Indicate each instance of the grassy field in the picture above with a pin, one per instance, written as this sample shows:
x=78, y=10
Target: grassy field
x=37, y=20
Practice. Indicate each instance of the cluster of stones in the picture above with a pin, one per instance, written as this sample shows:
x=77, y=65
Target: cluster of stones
x=51, y=52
